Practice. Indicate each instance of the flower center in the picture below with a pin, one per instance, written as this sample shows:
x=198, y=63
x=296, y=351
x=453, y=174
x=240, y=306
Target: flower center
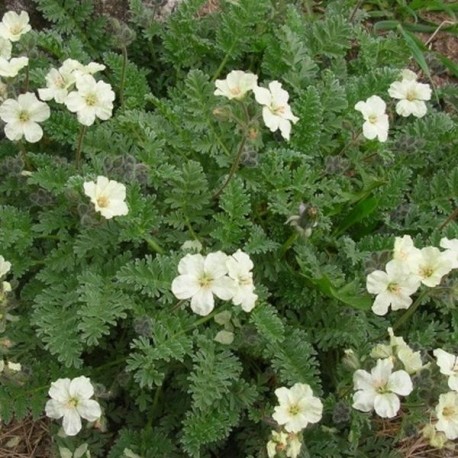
x=278, y=110
x=393, y=288
x=72, y=403
x=426, y=271
x=103, y=201
x=372, y=119
x=411, y=95
x=235, y=90
x=245, y=280
x=294, y=410
x=448, y=411
x=91, y=100
x=16, y=29
x=205, y=281
x=24, y=116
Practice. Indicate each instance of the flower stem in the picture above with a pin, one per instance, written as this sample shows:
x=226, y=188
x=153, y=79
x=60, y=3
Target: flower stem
x=79, y=146
x=287, y=245
x=233, y=170
x=153, y=244
x=24, y=156
x=410, y=311
x=123, y=75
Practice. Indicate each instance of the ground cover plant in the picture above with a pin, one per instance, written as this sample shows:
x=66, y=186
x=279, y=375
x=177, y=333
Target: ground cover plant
x=229, y=232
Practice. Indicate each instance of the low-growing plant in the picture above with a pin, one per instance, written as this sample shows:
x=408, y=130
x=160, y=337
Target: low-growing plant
x=226, y=233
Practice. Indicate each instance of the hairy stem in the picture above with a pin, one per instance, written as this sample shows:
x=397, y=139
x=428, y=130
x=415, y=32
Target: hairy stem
x=233, y=170
x=153, y=244
x=410, y=311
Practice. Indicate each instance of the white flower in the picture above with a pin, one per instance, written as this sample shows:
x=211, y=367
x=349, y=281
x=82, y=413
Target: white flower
x=411, y=95
x=92, y=99
x=236, y=84
x=5, y=266
x=108, y=196
x=5, y=48
x=14, y=25
x=431, y=265
x=71, y=400
x=298, y=407
x=404, y=249
x=276, y=112
x=398, y=349
x=379, y=389
x=22, y=117
x=282, y=442
x=202, y=277
x=376, y=125
x=14, y=367
x=277, y=443
x=451, y=248
x=393, y=287
x=409, y=75
x=448, y=365
x=10, y=68
x=447, y=414
x=239, y=267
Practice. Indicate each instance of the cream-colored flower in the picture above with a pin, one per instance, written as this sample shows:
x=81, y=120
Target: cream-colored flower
x=22, y=117
x=411, y=95
x=451, y=248
x=5, y=266
x=297, y=407
x=405, y=250
x=447, y=414
x=10, y=68
x=93, y=99
x=276, y=111
x=236, y=84
x=14, y=25
x=448, y=364
x=108, y=197
x=380, y=389
x=71, y=399
x=5, y=48
x=202, y=277
x=239, y=267
x=374, y=113
x=431, y=265
x=393, y=287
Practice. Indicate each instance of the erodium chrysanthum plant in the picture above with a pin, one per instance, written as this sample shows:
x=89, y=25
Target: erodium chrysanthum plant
x=226, y=231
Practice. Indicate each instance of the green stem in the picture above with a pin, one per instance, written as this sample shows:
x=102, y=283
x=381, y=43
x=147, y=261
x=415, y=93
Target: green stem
x=233, y=170
x=223, y=62
x=79, y=146
x=287, y=245
x=355, y=9
x=123, y=75
x=191, y=230
x=153, y=244
x=410, y=311
x=24, y=156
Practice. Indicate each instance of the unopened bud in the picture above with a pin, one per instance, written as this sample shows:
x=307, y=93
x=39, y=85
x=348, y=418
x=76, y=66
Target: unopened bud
x=351, y=360
x=221, y=113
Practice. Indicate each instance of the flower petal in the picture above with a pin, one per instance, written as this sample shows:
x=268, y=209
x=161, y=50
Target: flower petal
x=72, y=422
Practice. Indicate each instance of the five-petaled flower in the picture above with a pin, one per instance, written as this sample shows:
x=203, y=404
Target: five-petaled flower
x=393, y=287
x=298, y=407
x=447, y=414
x=379, y=390
x=93, y=99
x=430, y=265
x=373, y=111
x=108, y=197
x=14, y=25
x=448, y=364
x=202, y=277
x=236, y=84
x=276, y=111
x=22, y=117
x=411, y=95
x=71, y=399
